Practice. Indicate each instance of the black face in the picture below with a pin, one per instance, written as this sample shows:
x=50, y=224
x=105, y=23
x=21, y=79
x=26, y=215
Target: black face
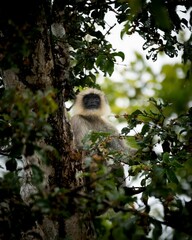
x=91, y=101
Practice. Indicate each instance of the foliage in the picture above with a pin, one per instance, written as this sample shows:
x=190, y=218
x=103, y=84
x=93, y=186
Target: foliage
x=133, y=87
x=175, y=87
x=114, y=209
x=140, y=81
x=15, y=216
x=159, y=23
x=162, y=159
x=23, y=121
x=86, y=30
x=165, y=174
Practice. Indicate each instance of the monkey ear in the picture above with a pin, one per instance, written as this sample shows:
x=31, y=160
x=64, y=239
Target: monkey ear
x=69, y=108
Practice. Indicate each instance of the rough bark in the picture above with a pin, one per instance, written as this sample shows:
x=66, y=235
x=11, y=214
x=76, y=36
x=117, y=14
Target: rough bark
x=46, y=66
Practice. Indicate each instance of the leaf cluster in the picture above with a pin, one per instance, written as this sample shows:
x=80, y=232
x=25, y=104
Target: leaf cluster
x=160, y=24
x=23, y=122
x=85, y=27
x=163, y=154
x=16, y=217
x=90, y=51
x=163, y=173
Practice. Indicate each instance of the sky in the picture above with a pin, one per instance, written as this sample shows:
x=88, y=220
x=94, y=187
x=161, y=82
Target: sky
x=130, y=44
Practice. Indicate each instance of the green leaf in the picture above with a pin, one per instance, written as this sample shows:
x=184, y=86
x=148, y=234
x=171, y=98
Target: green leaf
x=160, y=14
x=166, y=157
x=145, y=129
x=119, y=54
x=109, y=67
x=100, y=60
x=136, y=113
x=132, y=142
x=125, y=130
x=171, y=176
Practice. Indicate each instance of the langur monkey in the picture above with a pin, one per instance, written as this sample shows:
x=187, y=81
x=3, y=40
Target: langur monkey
x=90, y=114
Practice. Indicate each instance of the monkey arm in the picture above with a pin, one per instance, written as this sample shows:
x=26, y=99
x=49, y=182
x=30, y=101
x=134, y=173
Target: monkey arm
x=117, y=142
x=81, y=125
x=79, y=128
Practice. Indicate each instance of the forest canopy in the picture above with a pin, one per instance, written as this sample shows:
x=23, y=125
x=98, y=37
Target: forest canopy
x=49, y=51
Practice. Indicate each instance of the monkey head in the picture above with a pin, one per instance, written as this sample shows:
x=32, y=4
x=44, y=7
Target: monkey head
x=91, y=102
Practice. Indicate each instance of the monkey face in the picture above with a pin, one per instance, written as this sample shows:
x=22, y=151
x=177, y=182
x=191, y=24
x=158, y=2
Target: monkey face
x=91, y=101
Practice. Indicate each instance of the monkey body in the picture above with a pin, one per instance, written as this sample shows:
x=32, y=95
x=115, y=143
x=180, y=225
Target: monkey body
x=90, y=115
x=82, y=125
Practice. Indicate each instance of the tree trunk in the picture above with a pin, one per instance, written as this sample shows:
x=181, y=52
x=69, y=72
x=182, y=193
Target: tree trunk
x=44, y=66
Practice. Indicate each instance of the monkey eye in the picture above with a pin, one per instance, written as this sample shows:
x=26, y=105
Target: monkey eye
x=91, y=101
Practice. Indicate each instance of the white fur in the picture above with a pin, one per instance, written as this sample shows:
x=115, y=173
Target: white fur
x=78, y=109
